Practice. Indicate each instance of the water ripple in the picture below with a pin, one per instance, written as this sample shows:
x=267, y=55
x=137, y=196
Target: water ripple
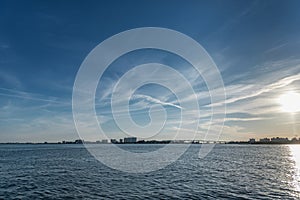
x=70, y=172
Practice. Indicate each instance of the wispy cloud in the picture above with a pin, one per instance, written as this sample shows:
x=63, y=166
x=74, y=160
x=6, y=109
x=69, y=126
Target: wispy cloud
x=248, y=91
x=277, y=47
x=10, y=79
x=31, y=96
x=4, y=46
x=156, y=101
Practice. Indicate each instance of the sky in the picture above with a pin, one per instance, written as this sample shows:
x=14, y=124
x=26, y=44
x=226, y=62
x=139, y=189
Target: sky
x=255, y=45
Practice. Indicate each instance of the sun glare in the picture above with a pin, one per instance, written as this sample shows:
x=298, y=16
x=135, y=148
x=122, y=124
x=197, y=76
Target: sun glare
x=290, y=102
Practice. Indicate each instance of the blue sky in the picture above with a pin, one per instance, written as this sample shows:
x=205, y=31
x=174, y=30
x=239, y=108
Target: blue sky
x=255, y=44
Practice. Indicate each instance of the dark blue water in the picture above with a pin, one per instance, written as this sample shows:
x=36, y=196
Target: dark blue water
x=228, y=172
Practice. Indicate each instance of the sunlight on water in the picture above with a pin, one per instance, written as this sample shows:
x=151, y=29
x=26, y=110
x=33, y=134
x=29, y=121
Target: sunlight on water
x=295, y=151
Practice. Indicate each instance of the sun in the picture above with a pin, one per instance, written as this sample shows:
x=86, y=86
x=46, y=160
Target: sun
x=290, y=102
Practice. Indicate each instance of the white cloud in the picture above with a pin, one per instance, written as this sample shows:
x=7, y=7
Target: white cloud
x=156, y=101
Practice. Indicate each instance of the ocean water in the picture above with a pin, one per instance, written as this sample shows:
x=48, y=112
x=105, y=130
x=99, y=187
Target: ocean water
x=228, y=172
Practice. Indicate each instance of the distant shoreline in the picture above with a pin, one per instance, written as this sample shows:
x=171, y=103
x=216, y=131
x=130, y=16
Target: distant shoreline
x=134, y=140
x=137, y=143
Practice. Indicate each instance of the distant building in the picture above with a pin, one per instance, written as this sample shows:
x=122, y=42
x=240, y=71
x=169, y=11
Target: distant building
x=114, y=141
x=279, y=140
x=265, y=140
x=251, y=140
x=104, y=141
x=130, y=140
x=67, y=142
